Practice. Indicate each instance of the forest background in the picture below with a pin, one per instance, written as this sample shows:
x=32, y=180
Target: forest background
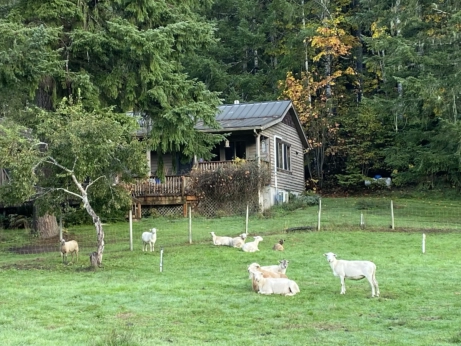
x=374, y=82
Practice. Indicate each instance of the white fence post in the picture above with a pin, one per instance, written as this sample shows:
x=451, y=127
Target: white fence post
x=246, y=221
x=424, y=243
x=161, y=260
x=392, y=214
x=319, y=214
x=190, y=225
x=131, y=229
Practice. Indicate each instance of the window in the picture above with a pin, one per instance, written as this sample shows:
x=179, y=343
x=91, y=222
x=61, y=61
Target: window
x=283, y=155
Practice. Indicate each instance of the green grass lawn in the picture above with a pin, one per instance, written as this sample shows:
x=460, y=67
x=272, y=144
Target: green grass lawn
x=203, y=296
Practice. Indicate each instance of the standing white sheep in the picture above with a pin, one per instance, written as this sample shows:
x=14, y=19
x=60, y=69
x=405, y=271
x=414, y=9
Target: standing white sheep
x=252, y=246
x=149, y=238
x=69, y=247
x=354, y=270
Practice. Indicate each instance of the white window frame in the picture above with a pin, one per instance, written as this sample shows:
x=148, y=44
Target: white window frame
x=283, y=155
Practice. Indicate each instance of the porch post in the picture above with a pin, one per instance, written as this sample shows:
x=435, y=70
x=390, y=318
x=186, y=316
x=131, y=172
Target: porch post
x=149, y=166
x=258, y=160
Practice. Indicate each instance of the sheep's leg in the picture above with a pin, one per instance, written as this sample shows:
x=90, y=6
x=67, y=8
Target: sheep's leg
x=343, y=285
x=376, y=285
x=372, y=284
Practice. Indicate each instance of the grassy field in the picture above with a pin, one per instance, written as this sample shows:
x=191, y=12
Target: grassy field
x=203, y=296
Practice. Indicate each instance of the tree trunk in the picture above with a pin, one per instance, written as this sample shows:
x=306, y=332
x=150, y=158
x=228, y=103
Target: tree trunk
x=99, y=231
x=46, y=226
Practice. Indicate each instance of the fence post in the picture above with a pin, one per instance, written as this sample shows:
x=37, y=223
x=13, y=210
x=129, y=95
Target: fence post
x=190, y=225
x=424, y=243
x=319, y=214
x=60, y=227
x=161, y=260
x=131, y=229
x=362, y=222
x=246, y=221
x=392, y=214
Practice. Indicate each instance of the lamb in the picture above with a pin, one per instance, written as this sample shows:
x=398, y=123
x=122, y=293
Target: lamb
x=149, y=238
x=279, y=268
x=252, y=246
x=279, y=246
x=282, y=286
x=267, y=274
x=69, y=247
x=354, y=270
x=239, y=241
x=224, y=241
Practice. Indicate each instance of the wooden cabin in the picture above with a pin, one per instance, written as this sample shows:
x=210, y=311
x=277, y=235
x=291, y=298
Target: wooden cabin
x=269, y=132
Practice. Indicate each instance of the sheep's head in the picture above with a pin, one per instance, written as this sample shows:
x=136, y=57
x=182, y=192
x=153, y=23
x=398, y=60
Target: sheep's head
x=253, y=267
x=284, y=263
x=153, y=230
x=281, y=241
x=257, y=275
x=258, y=238
x=330, y=256
x=63, y=241
x=243, y=236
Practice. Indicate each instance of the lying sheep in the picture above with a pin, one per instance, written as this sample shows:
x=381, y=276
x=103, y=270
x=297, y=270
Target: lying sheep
x=354, y=270
x=278, y=246
x=69, y=247
x=252, y=246
x=239, y=241
x=282, y=286
x=224, y=241
x=267, y=274
x=279, y=268
x=149, y=239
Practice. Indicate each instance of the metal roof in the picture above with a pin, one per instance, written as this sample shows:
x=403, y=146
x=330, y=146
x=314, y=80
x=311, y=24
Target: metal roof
x=242, y=116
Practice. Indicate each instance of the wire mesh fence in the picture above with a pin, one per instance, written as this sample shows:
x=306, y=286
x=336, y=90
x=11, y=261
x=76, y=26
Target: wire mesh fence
x=363, y=213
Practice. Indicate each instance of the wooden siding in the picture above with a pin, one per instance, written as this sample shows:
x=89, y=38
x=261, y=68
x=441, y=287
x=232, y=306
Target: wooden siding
x=167, y=164
x=293, y=180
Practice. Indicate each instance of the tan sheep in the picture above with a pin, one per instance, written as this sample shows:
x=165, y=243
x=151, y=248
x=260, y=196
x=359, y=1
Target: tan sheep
x=255, y=267
x=69, y=247
x=279, y=246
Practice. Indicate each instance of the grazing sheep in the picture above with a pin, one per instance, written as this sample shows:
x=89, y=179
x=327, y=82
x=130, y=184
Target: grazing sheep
x=239, y=241
x=354, y=270
x=224, y=241
x=252, y=246
x=267, y=274
x=149, y=238
x=279, y=268
x=279, y=246
x=282, y=286
x=69, y=247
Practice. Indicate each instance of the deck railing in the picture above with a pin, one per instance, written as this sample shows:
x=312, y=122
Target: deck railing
x=172, y=186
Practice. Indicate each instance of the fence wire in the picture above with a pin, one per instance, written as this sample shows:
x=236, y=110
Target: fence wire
x=369, y=214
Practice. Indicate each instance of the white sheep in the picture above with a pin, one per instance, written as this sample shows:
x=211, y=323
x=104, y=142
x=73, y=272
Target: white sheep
x=69, y=247
x=217, y=240
x=252, y=246
x=278, y=268
x=267, y=274
x=239, y=241
x=354, y=270
x=282, y=286
x=149, y=238
x=278, y=246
